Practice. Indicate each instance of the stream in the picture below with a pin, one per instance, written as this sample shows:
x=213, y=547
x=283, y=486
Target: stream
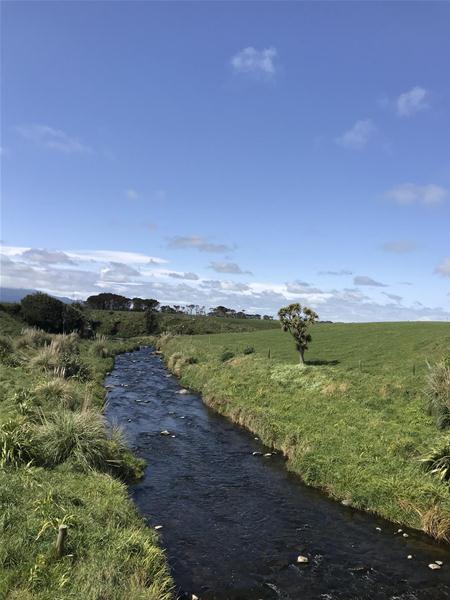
x=233, y=523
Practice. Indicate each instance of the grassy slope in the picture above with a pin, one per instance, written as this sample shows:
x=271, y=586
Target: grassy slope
x=111, y=553
x=129, y=324
x=354, y=429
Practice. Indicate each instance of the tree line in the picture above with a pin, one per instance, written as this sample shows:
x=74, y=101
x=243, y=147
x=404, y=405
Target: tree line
x=110, y=301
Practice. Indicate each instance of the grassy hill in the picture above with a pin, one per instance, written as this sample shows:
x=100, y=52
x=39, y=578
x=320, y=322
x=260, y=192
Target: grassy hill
x=353, y=421
x=127, y=324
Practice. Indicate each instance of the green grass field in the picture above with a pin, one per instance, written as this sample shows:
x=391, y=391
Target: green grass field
x=57, y=466
x=352, y=422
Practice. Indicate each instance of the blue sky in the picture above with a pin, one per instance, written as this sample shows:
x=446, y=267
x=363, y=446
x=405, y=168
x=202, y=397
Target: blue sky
x=247, y=154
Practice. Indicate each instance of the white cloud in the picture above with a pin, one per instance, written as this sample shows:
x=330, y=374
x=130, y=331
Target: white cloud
x=53, y=139
x=399, y=246
x=189, y=275
x=358, y=136
x=393, y=297
x=364, y=280
x=411, y=193
x=255, y=62
x=413, y=101
x=42, y=256
x=336, y=273
x=115, y=256
x=198, y=243
x=119, y=273
x=444, y=268
x=228, y=267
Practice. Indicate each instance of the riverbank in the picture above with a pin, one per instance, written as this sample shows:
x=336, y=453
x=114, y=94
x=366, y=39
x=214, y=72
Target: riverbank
x=60, y=464
x=352, y=423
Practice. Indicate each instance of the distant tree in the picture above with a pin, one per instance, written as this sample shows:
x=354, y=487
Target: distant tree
x=267, y=318
x=150, y=304
x=50, y=314
x=151, y=321
x=137, y=304
x=108, y=301
x=168, y=309
x=297, y=320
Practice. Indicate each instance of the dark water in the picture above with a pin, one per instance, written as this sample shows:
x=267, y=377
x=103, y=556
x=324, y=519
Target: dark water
x=234, y=523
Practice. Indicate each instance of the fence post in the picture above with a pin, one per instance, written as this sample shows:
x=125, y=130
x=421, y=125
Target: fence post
x=62, y=534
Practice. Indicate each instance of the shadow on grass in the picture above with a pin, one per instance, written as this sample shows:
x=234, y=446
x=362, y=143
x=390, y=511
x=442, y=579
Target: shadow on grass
x=321, y=362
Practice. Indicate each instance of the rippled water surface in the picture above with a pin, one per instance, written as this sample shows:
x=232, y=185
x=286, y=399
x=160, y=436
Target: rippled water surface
x=233, y=523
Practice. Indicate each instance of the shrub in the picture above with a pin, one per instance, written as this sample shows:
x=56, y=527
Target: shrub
x=52, y=315
x=438, y=461
x=249, y=350
x=438, y=392
x=226, y=355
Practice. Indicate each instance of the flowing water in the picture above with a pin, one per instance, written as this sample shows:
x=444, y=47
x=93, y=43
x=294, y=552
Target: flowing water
x=234, y=523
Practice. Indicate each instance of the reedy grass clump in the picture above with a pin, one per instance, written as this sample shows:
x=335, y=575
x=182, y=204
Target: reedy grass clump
x=33, y=337
x=58, y=393
x=99, y=347
x=437, y=461
x=437, y=391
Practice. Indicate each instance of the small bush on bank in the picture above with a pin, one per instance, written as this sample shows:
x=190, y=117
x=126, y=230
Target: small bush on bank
x=62, y=364
x=249, y=350
x=226, y=355
x=437, y=391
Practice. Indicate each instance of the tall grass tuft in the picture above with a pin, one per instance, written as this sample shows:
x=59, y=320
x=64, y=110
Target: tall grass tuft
x=437, y=391
x=66, y=343
x=33, y=337
x=15, y=442
x=57, y=393
x=437, y=461
x=99, y=347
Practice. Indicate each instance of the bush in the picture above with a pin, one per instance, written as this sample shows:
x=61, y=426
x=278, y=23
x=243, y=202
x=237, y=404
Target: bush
x=50, y=314
x=226, y=355
x=249, y=350
x=151, y=322
x=438, y=392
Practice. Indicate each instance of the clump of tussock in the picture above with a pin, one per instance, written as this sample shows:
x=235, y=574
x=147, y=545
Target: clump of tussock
x=249, y=350
x=437, y=461
x=437, y=390
x=80, y=438
x=163, y=339
x=99, y=347
x=58, y=392
x=66, y=343
x=33, y=337
x=177, y=361
x=7, y=355
x=15, y=442
x=226, y=355
x=52, y=359
x=436, y=523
